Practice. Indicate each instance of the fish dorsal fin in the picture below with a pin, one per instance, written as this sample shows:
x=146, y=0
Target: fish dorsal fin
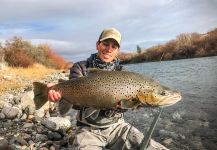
x=95, y=70
x=61, y=80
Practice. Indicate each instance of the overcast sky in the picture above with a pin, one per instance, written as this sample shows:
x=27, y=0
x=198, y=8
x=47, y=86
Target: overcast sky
x=71, y=27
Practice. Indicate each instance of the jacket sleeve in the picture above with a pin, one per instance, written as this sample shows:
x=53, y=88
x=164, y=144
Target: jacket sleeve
x=78, y=70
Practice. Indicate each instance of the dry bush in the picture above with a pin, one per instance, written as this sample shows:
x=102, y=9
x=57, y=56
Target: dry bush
x=17, y=58
x=21, y=53
x=53, y=59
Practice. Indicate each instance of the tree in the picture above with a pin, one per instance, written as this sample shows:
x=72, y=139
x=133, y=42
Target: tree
x=139, y=50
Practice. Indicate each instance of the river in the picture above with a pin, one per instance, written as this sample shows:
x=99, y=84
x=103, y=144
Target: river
x=192, y=122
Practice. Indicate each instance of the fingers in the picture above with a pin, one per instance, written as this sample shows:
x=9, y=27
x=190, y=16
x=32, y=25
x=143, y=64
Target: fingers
x=54, y=96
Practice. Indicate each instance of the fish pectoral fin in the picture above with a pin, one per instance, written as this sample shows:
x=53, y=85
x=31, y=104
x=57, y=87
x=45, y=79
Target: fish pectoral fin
x=64, y=106
x=127, y=104
x=91, y=112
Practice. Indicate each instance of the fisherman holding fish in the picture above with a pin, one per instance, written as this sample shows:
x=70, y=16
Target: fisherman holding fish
x=98, y=129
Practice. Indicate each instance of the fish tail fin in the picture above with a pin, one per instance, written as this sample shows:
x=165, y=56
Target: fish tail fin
x=40, y=94
x=64, y=106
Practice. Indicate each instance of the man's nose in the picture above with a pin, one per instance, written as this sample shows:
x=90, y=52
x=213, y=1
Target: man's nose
x=109, y=48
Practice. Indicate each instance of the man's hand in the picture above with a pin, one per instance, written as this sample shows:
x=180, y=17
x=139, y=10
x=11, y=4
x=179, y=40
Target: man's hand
x=53, y=95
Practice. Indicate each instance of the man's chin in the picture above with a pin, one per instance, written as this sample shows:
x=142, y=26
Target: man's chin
x=107, y=59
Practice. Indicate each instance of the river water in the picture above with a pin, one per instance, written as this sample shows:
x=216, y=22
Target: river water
x=192, y=122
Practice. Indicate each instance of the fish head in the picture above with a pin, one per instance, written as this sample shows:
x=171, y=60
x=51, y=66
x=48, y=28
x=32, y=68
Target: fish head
x=158, y=95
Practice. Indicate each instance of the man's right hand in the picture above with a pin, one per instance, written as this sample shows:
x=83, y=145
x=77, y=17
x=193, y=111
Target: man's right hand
x=53, y=95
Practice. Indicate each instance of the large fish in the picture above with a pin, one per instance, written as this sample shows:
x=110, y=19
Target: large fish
x=107, y=89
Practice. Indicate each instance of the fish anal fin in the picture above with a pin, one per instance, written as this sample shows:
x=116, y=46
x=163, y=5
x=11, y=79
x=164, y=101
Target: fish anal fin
x=64, y=106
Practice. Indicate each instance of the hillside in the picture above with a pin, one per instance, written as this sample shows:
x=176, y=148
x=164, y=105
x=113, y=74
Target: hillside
x=186, y=45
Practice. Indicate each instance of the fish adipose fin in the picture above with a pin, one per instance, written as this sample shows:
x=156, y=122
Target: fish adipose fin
x=64, y=106
x=40, y=94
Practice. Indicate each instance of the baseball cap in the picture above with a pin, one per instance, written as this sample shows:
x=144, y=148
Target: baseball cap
x=110, y=33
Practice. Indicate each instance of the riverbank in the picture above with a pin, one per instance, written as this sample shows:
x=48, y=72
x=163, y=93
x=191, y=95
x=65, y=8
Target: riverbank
x=23, y=127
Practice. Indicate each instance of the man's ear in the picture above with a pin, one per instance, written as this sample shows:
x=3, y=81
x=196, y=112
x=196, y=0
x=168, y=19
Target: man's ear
x=97, y=45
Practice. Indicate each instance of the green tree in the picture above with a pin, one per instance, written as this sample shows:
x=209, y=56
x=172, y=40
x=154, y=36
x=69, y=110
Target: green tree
x=139, y=50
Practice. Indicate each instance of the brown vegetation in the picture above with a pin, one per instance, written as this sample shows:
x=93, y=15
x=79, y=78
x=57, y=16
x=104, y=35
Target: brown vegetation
x=21, y=53
x=12, y=78
x=186, y=45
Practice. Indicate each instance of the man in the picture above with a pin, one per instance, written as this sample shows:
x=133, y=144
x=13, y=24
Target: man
x=99, y=129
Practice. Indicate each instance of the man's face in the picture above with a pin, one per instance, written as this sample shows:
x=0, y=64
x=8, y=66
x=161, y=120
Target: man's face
x=107, y=50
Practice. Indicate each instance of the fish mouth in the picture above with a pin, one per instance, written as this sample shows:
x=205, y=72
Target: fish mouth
x=170, y=100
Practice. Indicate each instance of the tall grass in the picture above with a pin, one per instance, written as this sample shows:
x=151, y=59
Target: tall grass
x=16, y=78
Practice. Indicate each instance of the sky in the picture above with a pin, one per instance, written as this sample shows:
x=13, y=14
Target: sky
x=72, y=27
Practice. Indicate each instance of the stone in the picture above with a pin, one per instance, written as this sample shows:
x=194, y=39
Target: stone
x=39, y=113
x=21, y=141
x=56, y=136
x=4, y=145
x=10, y=112
x=168, y=141
x=27, y=101
x=2, y=116
x=56, y=123
x=40, y=137
x=27, y=125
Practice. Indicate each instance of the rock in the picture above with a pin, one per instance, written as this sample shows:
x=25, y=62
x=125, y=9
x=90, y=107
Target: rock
x=2, y=116
x=52, y=148
x=25, y=136
x=27, y=125
x=4, y=145
x=27, y=101
x=54, y=136
x=15, y=146
x=168, y=141
x=10, y=112
x=23, y=117
x=39, y=113
x=56, y=123
x=21, y=141
x=4, y=103
x=43, y=148
x=40, y=138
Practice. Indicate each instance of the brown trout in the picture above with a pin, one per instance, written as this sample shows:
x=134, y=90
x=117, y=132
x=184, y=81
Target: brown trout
x=106, y=89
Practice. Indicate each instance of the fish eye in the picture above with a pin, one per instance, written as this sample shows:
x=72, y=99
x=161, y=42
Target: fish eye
x=163, y=93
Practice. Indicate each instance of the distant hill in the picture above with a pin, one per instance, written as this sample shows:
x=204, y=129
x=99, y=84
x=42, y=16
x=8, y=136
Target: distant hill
x=186, y=45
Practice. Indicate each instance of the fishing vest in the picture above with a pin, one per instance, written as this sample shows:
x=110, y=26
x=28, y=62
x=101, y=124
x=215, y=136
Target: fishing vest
x=92, y=117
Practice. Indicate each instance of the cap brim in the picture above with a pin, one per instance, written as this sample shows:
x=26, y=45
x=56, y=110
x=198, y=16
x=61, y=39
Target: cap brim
x=110, y=37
